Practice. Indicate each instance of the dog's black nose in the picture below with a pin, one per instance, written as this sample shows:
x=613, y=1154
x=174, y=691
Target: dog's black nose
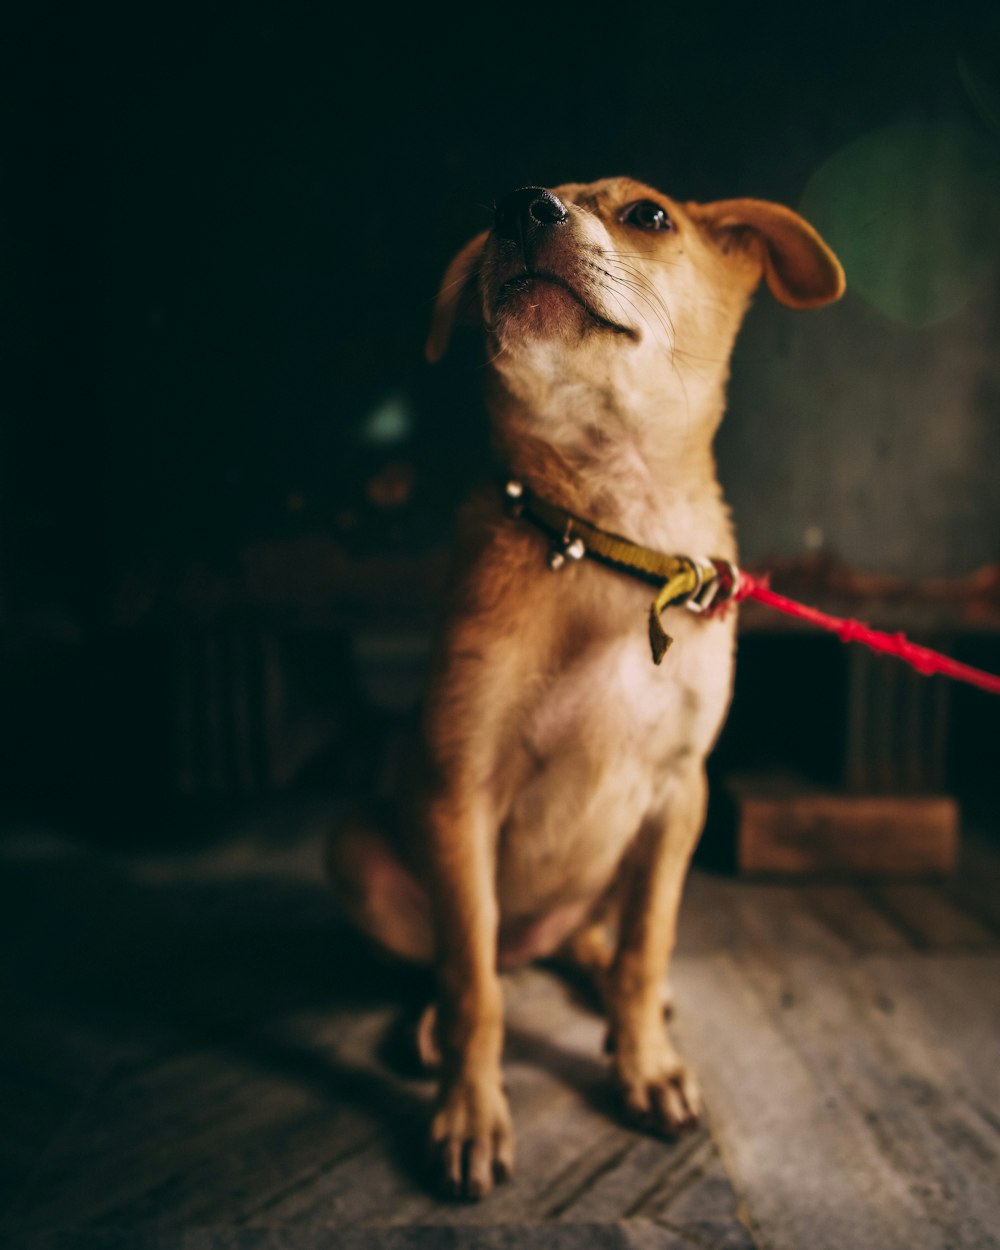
x=524, y=210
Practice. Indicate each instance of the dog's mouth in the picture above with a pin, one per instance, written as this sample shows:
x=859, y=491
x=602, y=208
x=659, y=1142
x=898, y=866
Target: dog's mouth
x=529, y=279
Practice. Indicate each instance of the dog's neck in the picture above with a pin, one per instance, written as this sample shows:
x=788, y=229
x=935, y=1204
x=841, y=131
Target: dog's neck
x=621, y=470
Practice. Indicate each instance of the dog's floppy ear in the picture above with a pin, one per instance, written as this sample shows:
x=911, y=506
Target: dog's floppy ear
x=455, y=298
x=800, y=270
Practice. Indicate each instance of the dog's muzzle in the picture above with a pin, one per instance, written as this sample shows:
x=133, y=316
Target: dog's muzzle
x=530, y=218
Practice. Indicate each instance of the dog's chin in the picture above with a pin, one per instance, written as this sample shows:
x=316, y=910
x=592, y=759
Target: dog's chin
x=546, y=306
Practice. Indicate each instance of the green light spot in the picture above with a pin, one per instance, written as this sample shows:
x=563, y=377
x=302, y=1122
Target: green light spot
x=913, y=212
x=389, y=423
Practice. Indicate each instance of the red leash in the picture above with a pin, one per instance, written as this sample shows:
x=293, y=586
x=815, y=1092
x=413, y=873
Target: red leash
x=923, y=659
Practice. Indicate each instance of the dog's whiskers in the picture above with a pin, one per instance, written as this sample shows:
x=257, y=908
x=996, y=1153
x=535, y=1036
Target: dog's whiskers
x=647, y=259
x=629, y=302
x=708, y=360
x=640, y=286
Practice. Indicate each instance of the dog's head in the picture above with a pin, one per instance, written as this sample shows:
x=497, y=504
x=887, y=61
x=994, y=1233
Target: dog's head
x=615, y=286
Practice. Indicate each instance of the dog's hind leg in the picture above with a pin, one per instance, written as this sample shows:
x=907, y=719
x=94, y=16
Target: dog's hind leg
x=377, y=892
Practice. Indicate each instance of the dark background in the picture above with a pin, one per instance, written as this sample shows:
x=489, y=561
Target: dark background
x=222, y=229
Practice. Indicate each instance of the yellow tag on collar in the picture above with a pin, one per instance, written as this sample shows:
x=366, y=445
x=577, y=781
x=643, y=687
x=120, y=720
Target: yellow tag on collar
x=682, y=583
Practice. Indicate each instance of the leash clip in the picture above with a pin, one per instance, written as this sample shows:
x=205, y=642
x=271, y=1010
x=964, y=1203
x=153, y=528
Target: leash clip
x=715, y=578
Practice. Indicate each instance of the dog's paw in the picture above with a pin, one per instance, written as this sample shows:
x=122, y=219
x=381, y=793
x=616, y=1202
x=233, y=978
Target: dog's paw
x=659, y=1093
x=472, y=1139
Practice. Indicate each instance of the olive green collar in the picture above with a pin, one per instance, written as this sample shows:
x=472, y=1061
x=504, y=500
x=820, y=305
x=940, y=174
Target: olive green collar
x=695, y=582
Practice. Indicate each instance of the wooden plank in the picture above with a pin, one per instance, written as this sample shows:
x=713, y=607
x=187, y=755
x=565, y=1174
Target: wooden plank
x=299, y=1123
x=250, y=1101
x=223, y=1109
x=809, y=1173
x=849, y=913
x=893, y=1072
x=975, y=886
x=895, y=1061
x=708, y=921
x=951, y=1003
x=930, y=918
x=726, y=914
x=839, y=1115
x=188, y=1142
x=635, y=1235
x=799, y=830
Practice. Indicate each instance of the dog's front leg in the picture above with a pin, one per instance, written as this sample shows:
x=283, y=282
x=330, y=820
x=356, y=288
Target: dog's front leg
x=471, y=1134
x=657, y=1088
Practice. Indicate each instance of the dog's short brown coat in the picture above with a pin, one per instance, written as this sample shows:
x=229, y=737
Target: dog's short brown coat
x=559, y=789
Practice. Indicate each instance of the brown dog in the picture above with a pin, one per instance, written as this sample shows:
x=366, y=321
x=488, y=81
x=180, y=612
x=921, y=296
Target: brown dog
x=559, y=789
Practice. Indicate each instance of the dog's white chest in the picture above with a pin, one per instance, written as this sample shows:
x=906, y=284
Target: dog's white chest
x=612, y=694
x=603, y=743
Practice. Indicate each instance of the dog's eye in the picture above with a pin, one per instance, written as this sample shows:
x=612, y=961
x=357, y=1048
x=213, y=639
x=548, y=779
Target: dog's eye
x=647, y=216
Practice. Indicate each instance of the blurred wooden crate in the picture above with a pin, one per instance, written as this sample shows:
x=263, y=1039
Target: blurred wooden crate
x=789, y=827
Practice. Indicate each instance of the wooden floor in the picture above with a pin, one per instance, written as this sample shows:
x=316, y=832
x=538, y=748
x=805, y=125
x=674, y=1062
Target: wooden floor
x=193, y=1054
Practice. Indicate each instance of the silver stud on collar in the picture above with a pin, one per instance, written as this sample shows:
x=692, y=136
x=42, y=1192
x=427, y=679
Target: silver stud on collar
x=569, y=547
